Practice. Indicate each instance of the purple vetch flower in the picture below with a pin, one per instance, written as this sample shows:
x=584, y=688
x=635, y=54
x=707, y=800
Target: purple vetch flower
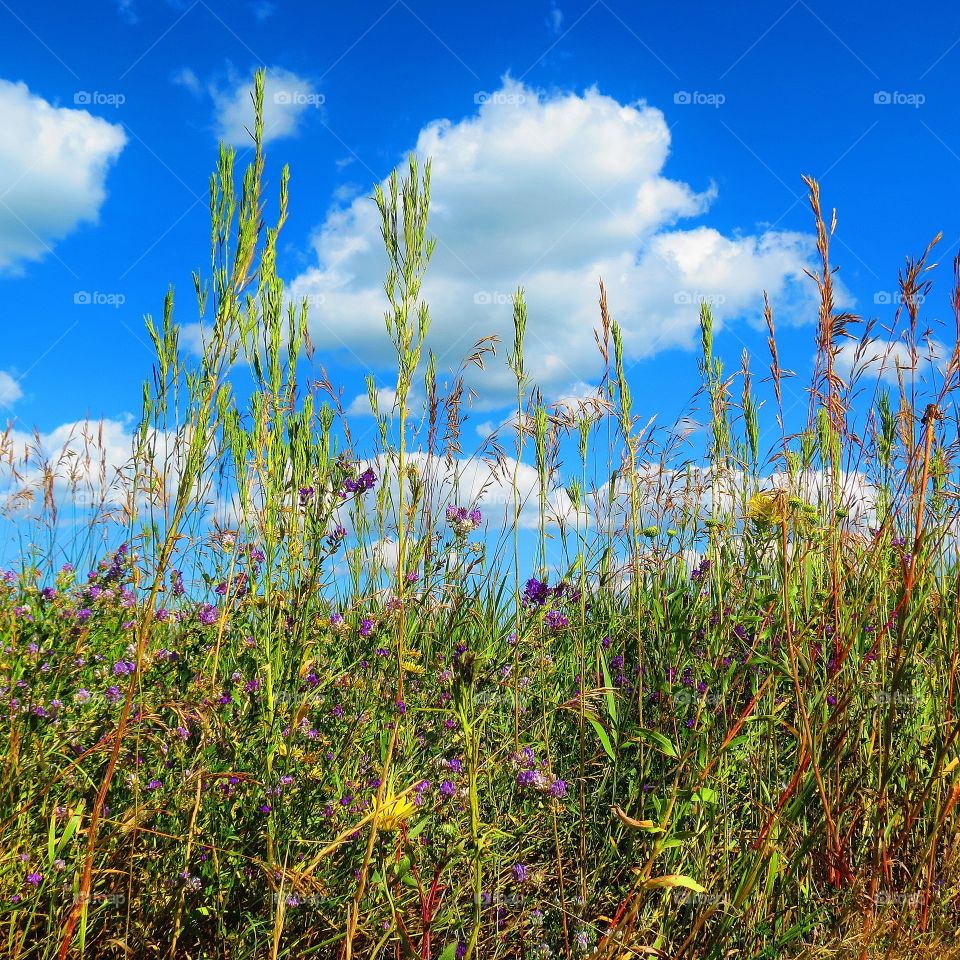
x=306, y=495
x=447, y=788
x=535, y=593
x=207, y=615
x=123, y=668
x=154, y=785
x=555, y=620
x=112, y=695
x=34, y=879
x=366, y=627
x=336, y=536
x=519, y=872
x=463, y=521
x=558, y=788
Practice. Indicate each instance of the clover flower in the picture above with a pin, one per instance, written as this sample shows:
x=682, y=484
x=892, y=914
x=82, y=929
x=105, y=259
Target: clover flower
x=463, y=521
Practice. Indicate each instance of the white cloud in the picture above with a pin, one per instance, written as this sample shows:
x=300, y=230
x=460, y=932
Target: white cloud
x=880, y=359
x=287, y=97
x=360, y=405
x=10, y=391
x=53, y=167
x=185, y=77
x=552, y=192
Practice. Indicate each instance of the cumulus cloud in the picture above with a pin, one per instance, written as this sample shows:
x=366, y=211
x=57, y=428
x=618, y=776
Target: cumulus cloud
x=10, y=391
x=552, y=192
x=287, y=98
x=882, y=359
x=53, y=166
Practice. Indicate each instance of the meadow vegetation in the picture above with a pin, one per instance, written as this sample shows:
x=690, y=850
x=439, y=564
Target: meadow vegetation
x=709, y=714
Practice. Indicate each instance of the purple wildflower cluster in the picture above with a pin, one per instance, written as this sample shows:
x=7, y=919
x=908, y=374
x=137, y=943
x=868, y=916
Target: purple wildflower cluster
x=463, y=521
x=537, y=593
x=536, y=776
x=360, y=484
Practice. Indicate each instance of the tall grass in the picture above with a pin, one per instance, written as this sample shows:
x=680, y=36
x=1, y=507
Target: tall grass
x=310, y=702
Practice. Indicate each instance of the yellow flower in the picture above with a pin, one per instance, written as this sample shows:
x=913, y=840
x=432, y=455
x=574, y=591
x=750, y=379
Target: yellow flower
x=769, y=506
x=393, y=811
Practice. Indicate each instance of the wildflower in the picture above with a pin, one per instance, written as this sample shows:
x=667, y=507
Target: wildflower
x=519, y=872
x=81, y=696
x=463, y=521
x=207, y=615
x=337, y=623
x=34, y=879
x=336, y=536
x=447, y=788
x=768, y=507
x=154, y=785
x=393, y=811
x=123, y=667
x=366, y=627
x=701, y=570
x=306, y=495
x=535, y=593
x=555, y=620
x=112, y=695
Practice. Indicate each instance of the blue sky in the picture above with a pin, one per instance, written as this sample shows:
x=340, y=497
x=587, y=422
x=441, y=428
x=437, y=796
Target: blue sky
x=661, y=145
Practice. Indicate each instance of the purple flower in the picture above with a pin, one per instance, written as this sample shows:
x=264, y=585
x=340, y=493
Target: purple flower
x=34, y=879
x=112, y=695
x=527, y=778
x=366, y=627
x=558, y=788
x=519, y=872
x=306, y=495
x=447, y=788
x=336, y=536
x=207, y=615
x=154, y=785
x=123, y=668
x=555, y=620
x=535, y=593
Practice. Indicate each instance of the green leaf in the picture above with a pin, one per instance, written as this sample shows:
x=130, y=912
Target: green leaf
x=604, y=737
x=658, y=740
